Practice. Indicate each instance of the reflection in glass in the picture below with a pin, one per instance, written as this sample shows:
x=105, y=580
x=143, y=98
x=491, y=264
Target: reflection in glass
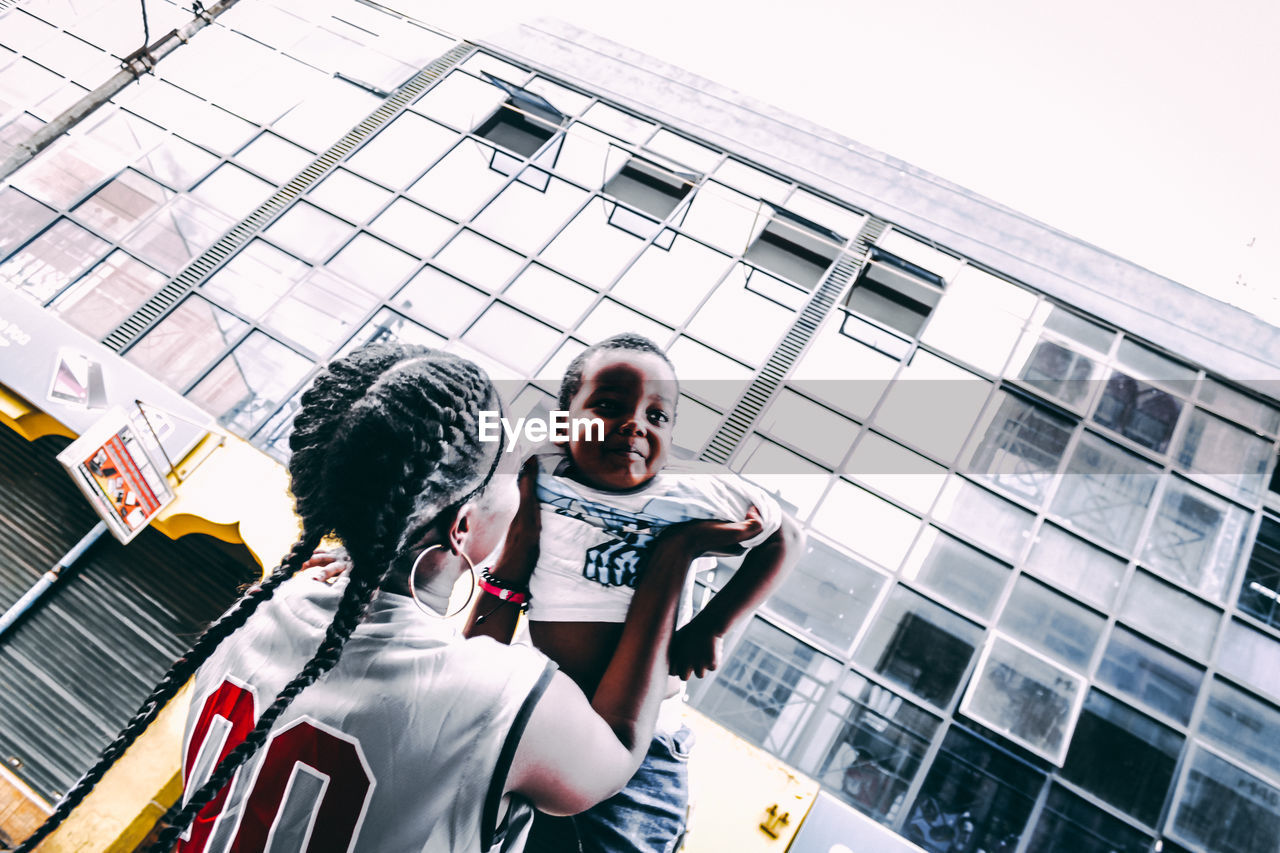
x=1124, y=757
x=413, y=227
x=402, y=150
x=308, y=232
x=1025, y=697
x=866, y=523
x=1051, y=623
x=1138, y=411
x=1105, y=491
x=964, y=576
x=768, y=688
x=987, y=519
x=515, y=339
x=1074, y=565
x=1149, y=674
x=108, y=294
x=53, y=260
x=1225, y=809
x=933, y=405
x=248, y=384
x=1195, y=539
x=668, y=283
x=916, y=643
x=1232, y=457
x=976, y=797
x=1244, y=726
x=1068, y=824
x=868, y=747
x=20, y=217
x=441, y=301
x=896, y=471
x=1260, y=594
x=319, y=312
x=828, y=594
x=1060, y=372
x=1172, y=616
x=114, y=210
x=822, y=433
x=1247, y=410
x=1021, y=447
x=1252, y=657
x=182, y=345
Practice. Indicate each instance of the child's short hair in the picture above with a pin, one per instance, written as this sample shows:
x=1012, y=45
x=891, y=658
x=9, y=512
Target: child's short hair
x=572, y=382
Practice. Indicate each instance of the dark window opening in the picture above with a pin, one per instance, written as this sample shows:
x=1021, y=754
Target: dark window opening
x=522, y=126
x=925, y=658
x=1260, y=594
x=650, y=187
x=894, y=293
x=795, y=248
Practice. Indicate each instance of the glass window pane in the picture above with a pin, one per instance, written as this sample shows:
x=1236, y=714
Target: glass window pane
x=108, y=294
x=177, y=234
x=1149, y=364
x=183, y=344
x=232, y=191
x=461, y=182
x=1260, y=594
x=767, y=689
x=413, y=227
x=1230, y=456
x=1050, y=623
x=331, y=109
x=66, y=170
x=620, y=124
x=53, y=260
x=1059, y=371
x=695, y=424
x=869, y=525
x=1246, y=727
x=609, y=318
x=540, y=291
x=1138, y=411
x=753, y=181
x=975, y=794
x=1252, y=657
x=387, y=326
x=1024, y=697
x=20, y=217
x=482, y=262
x=796, y=482
x=319, y=312
x=927, y=386
x=1149, y=674
x=704, y=372
x=668, y=283
x=979, y=318
x=250, y=383
x=515, y=339
x=822, y=433
x=1225, y=809
x=726, y=219
x=460, y=100
x=998, y=296
x=1105, y=491
x=402, y=150
x=828, y=595
x=1170, y=615
x=868, y=747
x=118, y=207
x=273, y=158
x=530, y=210
x=179, y=164
x=1019, y=446
x=919, y=645
x=591, y=249
x=441, y=301
x=1068, y=824
x=1123, y=757
x=1195, y=539
x=351, y=197
x=308, y=232
x=372, y=265
x=896, y=471
x=991, y=521
x=962, y=575
x=839, y=219
x=254, y=279
x=746, y=299
x=587, y=157
x=1076, y=566
x=1240, y=407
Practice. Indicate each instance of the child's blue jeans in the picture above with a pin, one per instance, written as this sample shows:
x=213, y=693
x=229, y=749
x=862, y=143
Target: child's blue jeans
x=647, y=816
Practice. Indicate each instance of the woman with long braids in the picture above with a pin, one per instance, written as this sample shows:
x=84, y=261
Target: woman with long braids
x=348, y=716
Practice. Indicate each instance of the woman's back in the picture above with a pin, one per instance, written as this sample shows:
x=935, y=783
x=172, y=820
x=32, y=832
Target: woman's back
x=399, y=747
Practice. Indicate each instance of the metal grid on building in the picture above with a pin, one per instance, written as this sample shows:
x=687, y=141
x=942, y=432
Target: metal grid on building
x=1039, y=605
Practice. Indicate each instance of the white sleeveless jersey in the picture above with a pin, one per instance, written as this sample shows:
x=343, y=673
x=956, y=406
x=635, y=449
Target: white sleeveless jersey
x=403, y=746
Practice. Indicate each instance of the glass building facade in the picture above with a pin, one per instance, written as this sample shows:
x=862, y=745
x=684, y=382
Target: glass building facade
x=1038, y=609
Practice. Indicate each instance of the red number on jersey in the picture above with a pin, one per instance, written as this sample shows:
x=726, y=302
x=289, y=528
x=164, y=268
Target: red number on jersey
x=335, y=820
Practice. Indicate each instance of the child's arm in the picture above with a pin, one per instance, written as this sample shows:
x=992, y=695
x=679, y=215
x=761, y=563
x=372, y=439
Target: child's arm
x=491, y=616
x=696, y=648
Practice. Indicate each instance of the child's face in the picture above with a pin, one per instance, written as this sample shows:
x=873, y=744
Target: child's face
x=634, y=393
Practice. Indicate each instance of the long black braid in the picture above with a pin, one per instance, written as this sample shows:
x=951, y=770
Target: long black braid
x=338, y=414
x=398, y=460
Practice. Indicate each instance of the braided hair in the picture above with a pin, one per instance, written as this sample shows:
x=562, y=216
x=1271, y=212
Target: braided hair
x=384, y=448
x=571, y=384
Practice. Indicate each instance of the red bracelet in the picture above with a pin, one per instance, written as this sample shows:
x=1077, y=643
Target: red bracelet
x=504, y=594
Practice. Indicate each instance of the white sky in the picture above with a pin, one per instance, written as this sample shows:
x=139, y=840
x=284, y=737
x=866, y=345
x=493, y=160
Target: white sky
x=1150, y=128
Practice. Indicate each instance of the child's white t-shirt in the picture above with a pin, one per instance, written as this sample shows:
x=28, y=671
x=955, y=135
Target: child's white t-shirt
x=592, y=542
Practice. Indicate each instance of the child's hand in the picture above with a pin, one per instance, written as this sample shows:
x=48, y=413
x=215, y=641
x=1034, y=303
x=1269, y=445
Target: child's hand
x=695, y=651
x=327, y=566
x=718, y=537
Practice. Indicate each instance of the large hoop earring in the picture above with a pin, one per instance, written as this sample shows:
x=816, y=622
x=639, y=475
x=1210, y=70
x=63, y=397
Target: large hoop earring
x=413, y=590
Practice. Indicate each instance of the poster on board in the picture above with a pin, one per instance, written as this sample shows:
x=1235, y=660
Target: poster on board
x=113, y=464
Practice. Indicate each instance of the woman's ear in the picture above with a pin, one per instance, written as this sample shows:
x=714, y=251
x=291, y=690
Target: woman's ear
x=460, y=530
